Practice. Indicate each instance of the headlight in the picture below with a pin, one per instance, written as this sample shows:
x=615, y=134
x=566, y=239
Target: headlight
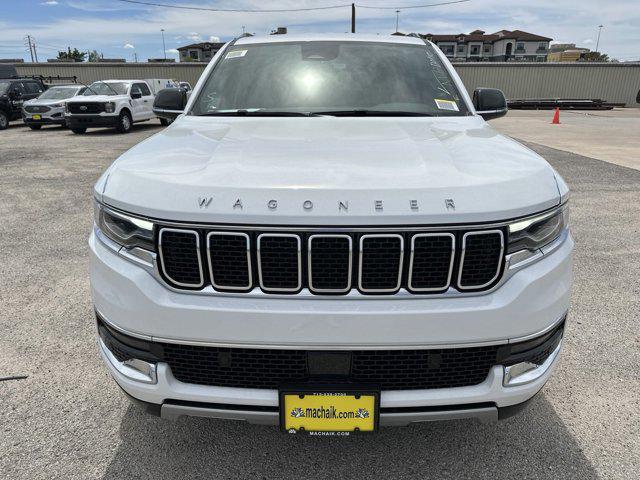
x=57, y=105
x=110, y=107
x=66, y=108
x=536, y=232
x=125, y=230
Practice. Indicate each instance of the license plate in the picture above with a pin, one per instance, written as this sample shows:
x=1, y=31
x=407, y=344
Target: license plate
x=319, y=412
x=37, y=117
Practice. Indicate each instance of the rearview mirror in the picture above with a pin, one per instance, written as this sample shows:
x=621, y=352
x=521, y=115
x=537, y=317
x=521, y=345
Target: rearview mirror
x=169, y=103
x=490, y=103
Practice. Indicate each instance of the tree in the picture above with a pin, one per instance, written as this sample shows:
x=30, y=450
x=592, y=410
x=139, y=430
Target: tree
x=596, y=57
x=74, y=55
x=94, y=56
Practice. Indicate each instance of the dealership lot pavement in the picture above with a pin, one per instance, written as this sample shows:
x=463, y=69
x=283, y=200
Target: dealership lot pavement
x=609, y=135
x=68, y=419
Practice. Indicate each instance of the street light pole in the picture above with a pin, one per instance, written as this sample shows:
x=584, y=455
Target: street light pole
x=164, y=48
x=397, y=15
x=598, y=41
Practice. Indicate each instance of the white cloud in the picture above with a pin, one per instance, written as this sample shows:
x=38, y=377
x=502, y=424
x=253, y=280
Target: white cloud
x=570, y=21
x=173, y=50
x=49, y=3
x=128, y=45
x=587, y=41
x=214, y=39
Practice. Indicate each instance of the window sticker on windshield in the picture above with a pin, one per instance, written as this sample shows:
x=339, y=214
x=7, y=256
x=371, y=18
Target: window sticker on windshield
x=447, y=105
x=236, y=54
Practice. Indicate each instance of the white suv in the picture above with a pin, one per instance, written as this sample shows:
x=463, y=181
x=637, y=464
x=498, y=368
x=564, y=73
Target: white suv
x=112, y=103
x=330, y=238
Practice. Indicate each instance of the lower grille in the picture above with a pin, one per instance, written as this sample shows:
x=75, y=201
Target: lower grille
x=387, y=369
x=409, y=369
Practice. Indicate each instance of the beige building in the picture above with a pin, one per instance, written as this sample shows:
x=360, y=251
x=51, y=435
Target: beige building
x=502, y=46
x=199, y=52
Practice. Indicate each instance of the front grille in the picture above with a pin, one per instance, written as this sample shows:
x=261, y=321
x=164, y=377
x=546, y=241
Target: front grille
x=387, y=369
x=85, y=107
x=36, y=109
x=332, y=262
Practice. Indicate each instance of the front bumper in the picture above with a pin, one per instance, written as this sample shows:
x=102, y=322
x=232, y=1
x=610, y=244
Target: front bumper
x=44, y=121
x=130, y=299
x=91, y=121
x=169, y=398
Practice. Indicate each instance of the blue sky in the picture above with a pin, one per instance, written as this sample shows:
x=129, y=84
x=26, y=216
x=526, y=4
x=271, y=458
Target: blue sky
x=119, y=29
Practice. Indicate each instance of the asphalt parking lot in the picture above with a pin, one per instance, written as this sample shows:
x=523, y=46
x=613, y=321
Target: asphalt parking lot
x=68, y=419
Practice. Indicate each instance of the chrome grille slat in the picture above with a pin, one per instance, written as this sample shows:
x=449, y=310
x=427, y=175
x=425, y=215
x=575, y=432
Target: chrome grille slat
x=420, y=270
x=181, y=261
x=344, y=276
x=272, y=260
x=472, y=263
x=235, y=266
x=385, y=263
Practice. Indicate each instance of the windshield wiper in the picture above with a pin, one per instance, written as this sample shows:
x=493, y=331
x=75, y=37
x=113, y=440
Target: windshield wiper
x=256, y=113
x=373, y=113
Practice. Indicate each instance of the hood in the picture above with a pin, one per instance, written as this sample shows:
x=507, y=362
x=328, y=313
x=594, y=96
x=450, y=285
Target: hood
x=96, y=98
x=45, y=101
x=330, y=171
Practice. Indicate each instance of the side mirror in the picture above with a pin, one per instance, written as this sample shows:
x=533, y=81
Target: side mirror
x=490, y=103
x=169, y=103
x=136, y=95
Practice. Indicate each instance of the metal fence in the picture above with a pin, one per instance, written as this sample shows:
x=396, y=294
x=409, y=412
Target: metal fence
x=614, y=82
x=90, y=72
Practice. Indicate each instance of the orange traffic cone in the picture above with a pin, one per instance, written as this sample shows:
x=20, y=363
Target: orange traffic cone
x=556, y=117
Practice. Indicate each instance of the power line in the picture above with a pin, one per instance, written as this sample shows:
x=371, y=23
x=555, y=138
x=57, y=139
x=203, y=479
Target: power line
x=411, y=6
x=243, y=10
x=275, y=10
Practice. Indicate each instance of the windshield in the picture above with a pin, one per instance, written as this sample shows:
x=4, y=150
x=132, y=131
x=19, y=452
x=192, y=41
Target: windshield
x=332, y=78
x=59, y=93
x=103, y=88
x=4, y=86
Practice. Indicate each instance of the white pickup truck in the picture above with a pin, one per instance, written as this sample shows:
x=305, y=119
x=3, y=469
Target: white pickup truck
x=331, y=238
x=115, y=103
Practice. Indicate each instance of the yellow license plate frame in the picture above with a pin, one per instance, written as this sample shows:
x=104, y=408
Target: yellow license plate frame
x=332, y=412
x=37, y=117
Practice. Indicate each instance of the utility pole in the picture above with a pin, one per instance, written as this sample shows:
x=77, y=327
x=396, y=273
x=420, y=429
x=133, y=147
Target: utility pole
x=35, y=53
x=30, y=48
x=353, y=18
x=397, y=16
x=135, y=57
x=598, y=41
x=164, y=49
